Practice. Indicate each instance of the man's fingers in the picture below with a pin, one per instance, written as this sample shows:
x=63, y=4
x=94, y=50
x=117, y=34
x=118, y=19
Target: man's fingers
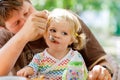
x=102, y=75
x=43, y=14
x=107, y=75
x=94, y=73
x=39, y=19
x=90, y=76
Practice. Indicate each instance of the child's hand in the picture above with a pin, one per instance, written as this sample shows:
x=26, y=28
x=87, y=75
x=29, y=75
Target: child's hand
x=42, y=77
x=23, y=72
x=26, y=71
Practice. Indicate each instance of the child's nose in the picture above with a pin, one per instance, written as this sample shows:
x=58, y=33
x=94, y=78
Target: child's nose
x=57, y=35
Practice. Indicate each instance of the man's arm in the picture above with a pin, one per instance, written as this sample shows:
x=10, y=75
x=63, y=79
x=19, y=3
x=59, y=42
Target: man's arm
x=32, y=30
x=10, y=52
x=93, y=50
x=93, y=53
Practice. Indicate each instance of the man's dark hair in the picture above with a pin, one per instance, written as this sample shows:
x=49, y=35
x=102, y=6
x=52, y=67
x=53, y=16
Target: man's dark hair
x=7, y=7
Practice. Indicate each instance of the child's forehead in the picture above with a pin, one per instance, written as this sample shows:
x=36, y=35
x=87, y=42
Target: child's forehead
x=59, y=22
x=62, y=24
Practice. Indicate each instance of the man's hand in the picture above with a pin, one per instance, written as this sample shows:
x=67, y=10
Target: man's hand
x=35, y=25
x=99, y=73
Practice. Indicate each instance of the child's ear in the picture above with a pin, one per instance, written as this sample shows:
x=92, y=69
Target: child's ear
x=72, y=40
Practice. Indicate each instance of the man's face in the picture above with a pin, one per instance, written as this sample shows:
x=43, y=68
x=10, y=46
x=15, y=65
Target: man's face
x=15, y=23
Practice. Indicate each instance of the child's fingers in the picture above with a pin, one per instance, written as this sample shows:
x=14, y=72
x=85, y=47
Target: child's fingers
x=42, y=77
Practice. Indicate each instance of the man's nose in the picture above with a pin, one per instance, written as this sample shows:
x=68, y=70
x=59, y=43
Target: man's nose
x=23, y=20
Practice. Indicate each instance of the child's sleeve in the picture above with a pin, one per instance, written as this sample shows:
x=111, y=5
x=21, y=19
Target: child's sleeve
x=35, y=63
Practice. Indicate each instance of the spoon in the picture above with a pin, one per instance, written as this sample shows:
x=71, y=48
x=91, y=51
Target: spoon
x=51, y=38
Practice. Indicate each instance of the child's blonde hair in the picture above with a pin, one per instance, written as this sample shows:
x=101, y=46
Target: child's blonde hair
x=78, y=37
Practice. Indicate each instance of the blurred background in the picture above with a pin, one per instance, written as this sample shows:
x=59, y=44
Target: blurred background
x=101, y=16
